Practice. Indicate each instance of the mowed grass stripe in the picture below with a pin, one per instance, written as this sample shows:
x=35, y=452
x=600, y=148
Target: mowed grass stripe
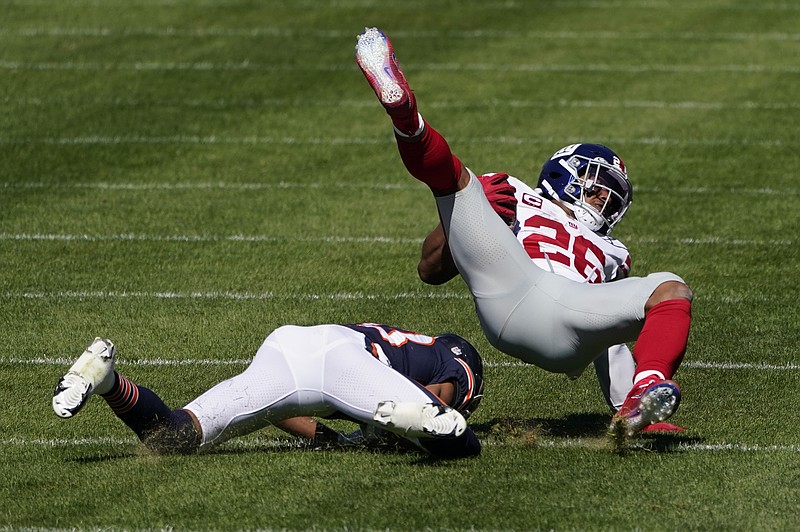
x=56, y=184
x=247, y=65
x=365, y=103
x=480, y=34
x=588, y=444
x=303, y=142
x=503, y=5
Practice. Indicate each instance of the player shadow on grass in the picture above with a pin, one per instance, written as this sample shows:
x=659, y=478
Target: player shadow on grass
x=271, y=446
x=589, y=430
x=98, y=457
x=531, y=430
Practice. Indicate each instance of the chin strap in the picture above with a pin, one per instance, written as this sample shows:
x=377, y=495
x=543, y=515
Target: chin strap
x=589, y=217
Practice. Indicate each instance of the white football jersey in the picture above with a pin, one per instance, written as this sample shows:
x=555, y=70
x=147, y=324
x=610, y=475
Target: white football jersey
x=562, y=245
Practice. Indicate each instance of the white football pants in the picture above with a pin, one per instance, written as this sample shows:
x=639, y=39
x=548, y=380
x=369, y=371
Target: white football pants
x=302, y=371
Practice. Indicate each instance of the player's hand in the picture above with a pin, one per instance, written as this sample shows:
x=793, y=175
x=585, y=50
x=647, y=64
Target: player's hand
x=500, y=194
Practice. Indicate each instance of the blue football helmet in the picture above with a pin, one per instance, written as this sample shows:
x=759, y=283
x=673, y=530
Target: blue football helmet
x=469, y=383
x=590, y=180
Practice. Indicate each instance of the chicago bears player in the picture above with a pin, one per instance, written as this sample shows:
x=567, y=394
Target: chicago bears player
x=420, y=388
x=560, y=316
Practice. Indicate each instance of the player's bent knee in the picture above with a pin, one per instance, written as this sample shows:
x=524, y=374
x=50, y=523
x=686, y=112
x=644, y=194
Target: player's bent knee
x=669, y=290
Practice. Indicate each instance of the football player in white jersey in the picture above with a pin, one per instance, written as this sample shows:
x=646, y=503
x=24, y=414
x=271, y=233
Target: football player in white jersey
x=537, y=314
x=556, y=242
x=416, y=387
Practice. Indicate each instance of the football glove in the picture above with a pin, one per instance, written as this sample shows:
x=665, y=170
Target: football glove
x=500, y=194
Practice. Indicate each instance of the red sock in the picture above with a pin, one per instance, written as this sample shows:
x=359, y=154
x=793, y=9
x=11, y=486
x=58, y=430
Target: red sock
x=662, y=342
x=431, y=161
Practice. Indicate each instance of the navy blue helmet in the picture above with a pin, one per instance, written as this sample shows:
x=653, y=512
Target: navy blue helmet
x=590, y=180
x=469, y=383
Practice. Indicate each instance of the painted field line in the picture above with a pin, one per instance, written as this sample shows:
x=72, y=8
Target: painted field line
x=688, y=364
x=376, y=239
x=341, y=296
x=103, y=140
x=281, y=443
x=338, y=296
x=128, y=237
x=405, y=184
x=249, y=66
x=282, y=33
x=579, y=443
x=229, y=295
x=44, y=360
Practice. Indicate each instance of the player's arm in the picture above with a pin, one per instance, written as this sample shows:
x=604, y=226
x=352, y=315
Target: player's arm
x=436, y=265
x=446, y=391
x=301, y=426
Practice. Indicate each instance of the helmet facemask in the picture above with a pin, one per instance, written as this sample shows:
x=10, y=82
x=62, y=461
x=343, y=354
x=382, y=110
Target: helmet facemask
x=471, y=404
x=600, y=193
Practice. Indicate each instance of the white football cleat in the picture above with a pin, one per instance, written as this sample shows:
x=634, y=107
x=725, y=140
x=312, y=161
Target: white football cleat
x=420, y=420
x=92, y=373
x=375, y=56
x=376, y=59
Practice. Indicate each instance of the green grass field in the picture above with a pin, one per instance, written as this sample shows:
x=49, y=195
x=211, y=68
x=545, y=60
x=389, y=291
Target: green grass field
x=183, y=176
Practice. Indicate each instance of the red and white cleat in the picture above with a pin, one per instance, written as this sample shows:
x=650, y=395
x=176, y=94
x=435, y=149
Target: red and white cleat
x=650, y=402
x=376, y=59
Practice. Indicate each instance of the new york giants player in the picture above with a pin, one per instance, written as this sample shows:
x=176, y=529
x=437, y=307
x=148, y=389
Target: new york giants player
x=546, y=302
x=420, y=388
x=557, y=242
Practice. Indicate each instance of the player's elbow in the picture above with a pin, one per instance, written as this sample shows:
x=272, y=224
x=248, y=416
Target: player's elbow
x=431, y=274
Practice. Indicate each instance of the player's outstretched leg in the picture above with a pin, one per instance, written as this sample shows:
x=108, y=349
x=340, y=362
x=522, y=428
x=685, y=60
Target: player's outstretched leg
x=375, y=56
x=651, y=401
x=92, y=373
x=420, y=420
x=423, y=150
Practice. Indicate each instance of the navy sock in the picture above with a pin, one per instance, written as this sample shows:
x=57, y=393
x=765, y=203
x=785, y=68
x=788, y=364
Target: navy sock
x=159, y=427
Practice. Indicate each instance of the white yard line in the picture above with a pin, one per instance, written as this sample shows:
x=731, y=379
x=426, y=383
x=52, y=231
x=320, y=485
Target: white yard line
x=242, y=296
x=130, y=237
x=331, y=239
x=574, y=443
x=44, y=360
x=280, y=185
x=338, y=296
x=690, y=364
x=579, y=443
